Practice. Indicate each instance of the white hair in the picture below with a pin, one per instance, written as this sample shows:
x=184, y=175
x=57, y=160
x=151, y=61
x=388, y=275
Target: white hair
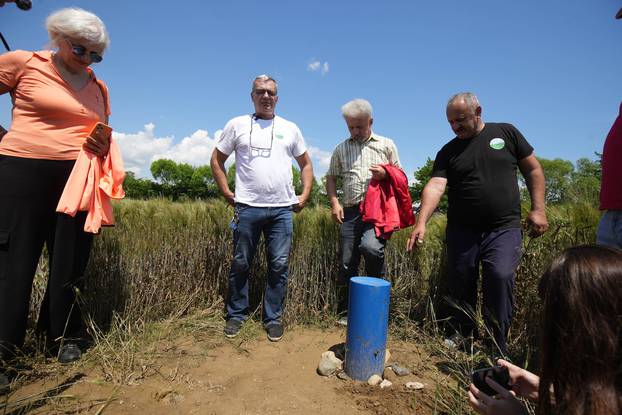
x=264, y=77
x=357, y=108
x=76, y=24
x=469, y=98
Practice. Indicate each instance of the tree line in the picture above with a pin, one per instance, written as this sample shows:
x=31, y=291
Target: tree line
x=181, y=181
x=565, y=182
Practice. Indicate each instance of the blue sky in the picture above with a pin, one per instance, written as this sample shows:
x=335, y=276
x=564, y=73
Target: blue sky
x=177, y=71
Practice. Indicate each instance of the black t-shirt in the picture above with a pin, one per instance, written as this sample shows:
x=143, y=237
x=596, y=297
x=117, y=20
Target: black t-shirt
x=481, y=177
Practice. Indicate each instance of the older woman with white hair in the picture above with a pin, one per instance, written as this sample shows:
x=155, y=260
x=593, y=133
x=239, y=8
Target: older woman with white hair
x=57, y=100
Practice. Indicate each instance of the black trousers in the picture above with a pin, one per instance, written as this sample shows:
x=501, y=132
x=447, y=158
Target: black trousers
x=499, y=253
x=29, y=192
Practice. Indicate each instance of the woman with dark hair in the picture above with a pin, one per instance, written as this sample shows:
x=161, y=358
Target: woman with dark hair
x=581, y=341
x=57, y=100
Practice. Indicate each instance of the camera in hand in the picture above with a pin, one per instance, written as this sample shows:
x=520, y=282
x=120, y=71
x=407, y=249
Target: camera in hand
x=499, y=374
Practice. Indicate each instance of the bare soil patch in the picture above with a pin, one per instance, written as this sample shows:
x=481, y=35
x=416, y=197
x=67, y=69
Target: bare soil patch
x=248, y=375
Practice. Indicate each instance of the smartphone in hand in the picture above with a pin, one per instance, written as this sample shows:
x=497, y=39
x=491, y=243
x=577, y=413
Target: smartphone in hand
x=499, y=374
x=101, y=131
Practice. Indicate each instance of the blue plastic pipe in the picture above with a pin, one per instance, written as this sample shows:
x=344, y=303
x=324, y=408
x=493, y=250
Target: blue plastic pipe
x=368, y=318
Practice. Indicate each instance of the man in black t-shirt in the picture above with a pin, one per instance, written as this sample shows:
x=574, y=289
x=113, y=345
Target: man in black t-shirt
x=483, y=218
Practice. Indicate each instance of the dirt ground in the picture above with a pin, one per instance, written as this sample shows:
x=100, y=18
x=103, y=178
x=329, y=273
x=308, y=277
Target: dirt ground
x=239, y=376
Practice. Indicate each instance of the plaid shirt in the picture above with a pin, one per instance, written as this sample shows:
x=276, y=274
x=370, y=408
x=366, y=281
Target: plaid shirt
x=352, y=159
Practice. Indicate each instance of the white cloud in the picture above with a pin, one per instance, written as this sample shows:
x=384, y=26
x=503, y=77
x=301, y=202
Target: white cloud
x=314, y=66
x=318, y=66
x=321, y=158
x=140, y=149
x=324, y=69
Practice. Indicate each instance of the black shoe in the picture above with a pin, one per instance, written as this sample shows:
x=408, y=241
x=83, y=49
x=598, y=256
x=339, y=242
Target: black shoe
x=4, y=384
x=232, y=328
x=275, y=332
x=69, y=352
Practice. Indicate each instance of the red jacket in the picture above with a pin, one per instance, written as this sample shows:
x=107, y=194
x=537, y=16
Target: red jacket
x=387, y=203
x=611, y=162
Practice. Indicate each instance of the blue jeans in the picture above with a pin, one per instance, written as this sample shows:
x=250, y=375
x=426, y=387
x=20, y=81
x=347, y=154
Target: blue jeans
x=248, y=224
x=357, y=238
x=609, y=230
x=499, y=253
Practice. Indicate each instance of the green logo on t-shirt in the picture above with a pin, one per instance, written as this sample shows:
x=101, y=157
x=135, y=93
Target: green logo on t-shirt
x=497, y=143
x=279, y=136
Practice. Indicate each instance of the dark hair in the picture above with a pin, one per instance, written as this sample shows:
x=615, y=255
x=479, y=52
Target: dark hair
x=581, y=351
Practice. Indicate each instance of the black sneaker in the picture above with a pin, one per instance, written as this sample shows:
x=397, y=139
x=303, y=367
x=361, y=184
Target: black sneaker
x=69, y=352
x=4, y=384
x=275, y=332
x=232, y=328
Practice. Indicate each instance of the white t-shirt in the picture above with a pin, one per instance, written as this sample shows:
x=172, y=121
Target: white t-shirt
x=263, y=168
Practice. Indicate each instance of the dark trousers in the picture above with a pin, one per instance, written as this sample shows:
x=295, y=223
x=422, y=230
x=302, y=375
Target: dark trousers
x=499, y=253
x=29, y=192
x=357, y=238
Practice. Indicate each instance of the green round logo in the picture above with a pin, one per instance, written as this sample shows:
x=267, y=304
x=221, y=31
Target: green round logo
x=497, y=143
x=279, y=136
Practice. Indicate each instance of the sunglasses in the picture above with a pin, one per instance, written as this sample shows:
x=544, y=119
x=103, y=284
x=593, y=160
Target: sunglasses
x=261, y=92
x=80, y=51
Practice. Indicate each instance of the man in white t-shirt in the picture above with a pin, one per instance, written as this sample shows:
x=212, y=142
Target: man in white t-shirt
x=264, y=198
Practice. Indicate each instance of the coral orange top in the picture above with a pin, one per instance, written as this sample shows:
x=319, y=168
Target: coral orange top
x=91, y=185
x=50, y=119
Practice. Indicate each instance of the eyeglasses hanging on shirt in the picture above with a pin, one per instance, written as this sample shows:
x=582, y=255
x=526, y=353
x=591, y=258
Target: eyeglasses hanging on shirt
x=260, y=151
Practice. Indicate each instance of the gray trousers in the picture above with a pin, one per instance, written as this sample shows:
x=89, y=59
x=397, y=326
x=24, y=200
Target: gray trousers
x=356, y=239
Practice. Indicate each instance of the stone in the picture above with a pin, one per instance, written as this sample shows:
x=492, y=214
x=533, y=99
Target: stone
x=385, y=384
x=329, y=364
x=400, y=370
x=374, y=380
x=389, y=374
x=387, y=356
x=414, y=385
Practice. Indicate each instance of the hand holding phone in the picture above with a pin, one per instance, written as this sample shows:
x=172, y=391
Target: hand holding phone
x=101, y=131
x=499, y=374
x=98, y=140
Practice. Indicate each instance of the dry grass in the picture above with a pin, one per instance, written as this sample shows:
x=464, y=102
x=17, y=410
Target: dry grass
x=165, y=260
x=127, y=354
